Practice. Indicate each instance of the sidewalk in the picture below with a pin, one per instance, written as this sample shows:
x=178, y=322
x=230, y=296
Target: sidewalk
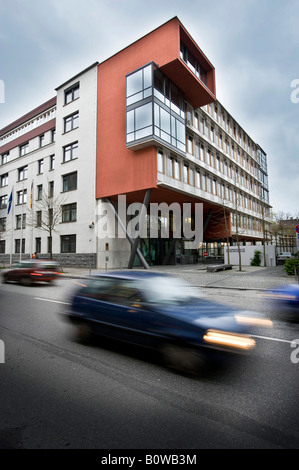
x=250, y=278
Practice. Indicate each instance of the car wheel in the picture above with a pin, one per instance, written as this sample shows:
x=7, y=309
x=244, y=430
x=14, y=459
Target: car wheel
x=26, y=281
x=182, y=359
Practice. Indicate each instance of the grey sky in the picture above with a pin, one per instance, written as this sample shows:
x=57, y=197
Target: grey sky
x=253, y=45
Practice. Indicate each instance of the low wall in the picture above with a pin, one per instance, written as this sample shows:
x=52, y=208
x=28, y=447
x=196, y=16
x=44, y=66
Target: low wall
x=75, y=260
x=247, y=253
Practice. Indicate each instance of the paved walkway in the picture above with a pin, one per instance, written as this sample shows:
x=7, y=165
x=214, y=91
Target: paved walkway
x=256, y=278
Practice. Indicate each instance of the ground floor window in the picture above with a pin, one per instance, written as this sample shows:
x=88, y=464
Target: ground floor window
x=38, y=245
x=18, y=245
x=2, y=246
x=68, y=244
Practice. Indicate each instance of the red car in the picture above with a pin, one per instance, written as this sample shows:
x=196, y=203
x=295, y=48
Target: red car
x=31, y=271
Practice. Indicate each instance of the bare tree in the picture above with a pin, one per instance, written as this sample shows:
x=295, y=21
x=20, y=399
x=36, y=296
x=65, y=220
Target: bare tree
x=47, y=215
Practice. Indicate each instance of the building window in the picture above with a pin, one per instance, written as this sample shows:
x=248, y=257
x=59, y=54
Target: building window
x=72, y=93
x=53, y=135
x=22, y=196
x=139, y=122
x=39, y=192
x=40, y=165
x=24, y=149
x=202, y=153
x=69, y=212
x=139, y=85
x=4, y=158
x=3, y=202
x=170, y=166
x=4, y=180
x=51, y=188
x=38, y=245
x=169, y=128
x=38, y=218
x=19, y=224
x=50, y=217
x=191, y=176
x=71, y=122
x=70, y=152
x=22, y=173
x=190, y=144
x=68, y=244
x=42, y=140
x=2, y=246
x=193, y=64
x=2, y=224
x=196, y=149
x=186, y=174
x=69, y=182
x=197, y=179
x=160, y=162
x=52, y=162
x=18, y=244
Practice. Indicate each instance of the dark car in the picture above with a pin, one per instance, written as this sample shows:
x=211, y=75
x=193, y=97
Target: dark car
x=284, y=301
x=32, y=271
x=159, y=312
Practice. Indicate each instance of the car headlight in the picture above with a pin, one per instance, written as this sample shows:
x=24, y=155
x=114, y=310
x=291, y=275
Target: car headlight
x=253, y=321
x=231, y=340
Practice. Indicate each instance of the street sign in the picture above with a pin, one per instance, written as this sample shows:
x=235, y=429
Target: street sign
x=297, y=228
x=205, y=253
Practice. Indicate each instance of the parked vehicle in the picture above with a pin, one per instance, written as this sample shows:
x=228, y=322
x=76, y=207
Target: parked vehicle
x=32, y=271
x=284, y=256
x=160, y=312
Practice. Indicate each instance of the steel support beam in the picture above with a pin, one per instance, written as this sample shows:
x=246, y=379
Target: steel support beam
x=141, y=222
x=130, y=239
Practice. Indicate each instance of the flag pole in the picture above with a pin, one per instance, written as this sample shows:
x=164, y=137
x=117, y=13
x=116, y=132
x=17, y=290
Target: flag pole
x=21, y=242
x=31, y=208
x=11, y=206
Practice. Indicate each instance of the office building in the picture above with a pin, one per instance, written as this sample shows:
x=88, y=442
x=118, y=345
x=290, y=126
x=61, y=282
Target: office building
x=144, y=126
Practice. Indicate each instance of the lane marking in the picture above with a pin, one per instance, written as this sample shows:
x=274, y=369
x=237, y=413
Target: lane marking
x=272, y=339
x=50, y=300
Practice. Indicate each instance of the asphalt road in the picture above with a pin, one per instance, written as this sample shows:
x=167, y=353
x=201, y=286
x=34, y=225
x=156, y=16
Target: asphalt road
x=59, y=394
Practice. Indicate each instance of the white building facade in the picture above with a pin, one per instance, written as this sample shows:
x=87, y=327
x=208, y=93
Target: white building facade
x=47, y=163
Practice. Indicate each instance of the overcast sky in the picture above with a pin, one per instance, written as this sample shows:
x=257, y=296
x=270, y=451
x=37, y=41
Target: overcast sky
x=253, y=45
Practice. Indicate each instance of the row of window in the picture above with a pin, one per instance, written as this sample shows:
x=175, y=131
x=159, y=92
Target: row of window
x=222, y=165
x=67, y=244
x=245, y=222
x=230, y=127
x=233, y=151
x=70, y=94
x=70, y=152
x=206, y=182
x=69, y=183
x=68, y=214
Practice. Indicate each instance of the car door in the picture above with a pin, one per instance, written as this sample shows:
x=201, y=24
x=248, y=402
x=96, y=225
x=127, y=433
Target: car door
x=122, y=314
x=114, y=307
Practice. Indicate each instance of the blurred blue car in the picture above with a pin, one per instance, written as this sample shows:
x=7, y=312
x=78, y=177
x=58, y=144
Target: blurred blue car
x=160, y=312
x=285, y=301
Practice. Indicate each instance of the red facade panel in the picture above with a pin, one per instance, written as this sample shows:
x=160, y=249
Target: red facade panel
x=119, y=169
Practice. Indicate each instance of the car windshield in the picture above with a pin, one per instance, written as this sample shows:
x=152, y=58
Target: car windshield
x=168, y=290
